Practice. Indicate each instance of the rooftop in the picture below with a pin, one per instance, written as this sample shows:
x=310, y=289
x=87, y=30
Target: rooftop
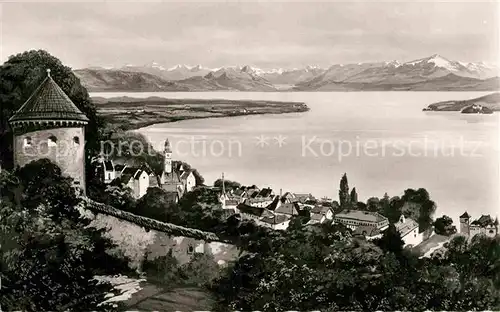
x=319, y=209
x=484, y=220
x=276, y=219
x=288, y=208
x=406, y=227
x=366, y=216
x=255, y=211
x=465, y=215
x=48, y=103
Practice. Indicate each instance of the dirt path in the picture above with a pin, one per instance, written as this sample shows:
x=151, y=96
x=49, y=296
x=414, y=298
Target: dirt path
x=155, y=298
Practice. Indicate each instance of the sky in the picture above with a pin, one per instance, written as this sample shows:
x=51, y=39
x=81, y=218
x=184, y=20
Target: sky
x=261, y=34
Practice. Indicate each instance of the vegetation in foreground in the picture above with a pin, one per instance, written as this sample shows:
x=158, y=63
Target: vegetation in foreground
x=50, y=255
x=323, y=268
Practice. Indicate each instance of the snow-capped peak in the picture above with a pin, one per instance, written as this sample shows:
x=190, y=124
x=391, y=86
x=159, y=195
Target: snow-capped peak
x=179, y=66
x=438, y=61
x=394, y=63
x=157, y=66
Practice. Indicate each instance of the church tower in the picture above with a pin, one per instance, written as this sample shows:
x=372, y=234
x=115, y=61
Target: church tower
x=49, y=125
x=464, y=223
x=167, y=152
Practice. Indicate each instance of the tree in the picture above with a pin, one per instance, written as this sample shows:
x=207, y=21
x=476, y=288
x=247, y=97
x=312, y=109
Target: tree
x=158, y=204
x=354, y=195
x=373, y=204
x=20, y=75
x=418, y=206
x=228, y=184
x=344, y=198
x=444, y=226
x=52, y=253
x=391, y=240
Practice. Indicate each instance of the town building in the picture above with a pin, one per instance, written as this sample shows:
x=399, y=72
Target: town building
x=354, y=218
x=175, y=178
x=49, y=125
x=368, y=232
x=276, y=222
x=320, y=214
x=259, y=201
x=288, y=209
x=484, y=225
x=408, y=229
x=253, y=213
x=137, y=179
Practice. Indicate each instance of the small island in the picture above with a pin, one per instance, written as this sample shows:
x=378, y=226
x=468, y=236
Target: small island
x=476, y=109
x=482, y=105
x=129, y=113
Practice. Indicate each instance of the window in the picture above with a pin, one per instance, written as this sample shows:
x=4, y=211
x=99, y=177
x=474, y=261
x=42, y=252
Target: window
x=76, y=141
x=27, y=141
x=52, y=141
x=190, y=249
x=109, y=176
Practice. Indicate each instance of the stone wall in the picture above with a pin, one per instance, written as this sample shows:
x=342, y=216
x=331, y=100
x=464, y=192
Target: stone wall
x=137, y=236
x=67, y=152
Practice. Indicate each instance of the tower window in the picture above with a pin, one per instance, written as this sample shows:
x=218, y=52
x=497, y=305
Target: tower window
x=190, y=250
x=27, y=141
x=52, y=141
x=76, y=141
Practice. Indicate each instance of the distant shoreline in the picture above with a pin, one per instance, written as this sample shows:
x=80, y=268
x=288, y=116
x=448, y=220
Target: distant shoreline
x=129, y=113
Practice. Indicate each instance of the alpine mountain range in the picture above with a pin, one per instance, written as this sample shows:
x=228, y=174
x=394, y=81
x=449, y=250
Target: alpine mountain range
x=433, y=73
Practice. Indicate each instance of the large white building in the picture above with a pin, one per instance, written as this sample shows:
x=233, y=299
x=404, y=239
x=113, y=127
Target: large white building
x=355, y=218
x=408, y=229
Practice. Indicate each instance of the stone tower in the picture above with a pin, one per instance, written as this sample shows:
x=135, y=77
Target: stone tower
x=464, y=223
x=167, y=166
x=49, y=125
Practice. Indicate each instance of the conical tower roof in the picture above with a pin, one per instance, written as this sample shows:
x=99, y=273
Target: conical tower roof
x=48, y=103
x=167, y=148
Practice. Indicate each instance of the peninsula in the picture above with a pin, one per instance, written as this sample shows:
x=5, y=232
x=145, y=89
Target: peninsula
x=489, y=102
x=129, y=113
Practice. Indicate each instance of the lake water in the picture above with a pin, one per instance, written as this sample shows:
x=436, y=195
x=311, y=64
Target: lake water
x=382, y=140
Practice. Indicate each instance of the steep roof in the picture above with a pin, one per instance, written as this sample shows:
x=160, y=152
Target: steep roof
x=316, y=217
x=406, y=227
x=483, y=221
x=366, y=216
x=265, y=192
x=276, y=219
x=256, y=211
x=48, y=102
x=288, y=208
x=465, y=215
x=320, y=209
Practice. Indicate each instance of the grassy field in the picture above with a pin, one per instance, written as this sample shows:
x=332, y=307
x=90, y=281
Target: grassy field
x=132, y=113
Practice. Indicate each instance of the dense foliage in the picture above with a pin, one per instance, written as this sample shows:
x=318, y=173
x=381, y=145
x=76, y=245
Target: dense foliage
x=415, y=204
x=20, y=75
x=49, y=253
x=444, y=226
x=200, y=271
x=323, y=268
